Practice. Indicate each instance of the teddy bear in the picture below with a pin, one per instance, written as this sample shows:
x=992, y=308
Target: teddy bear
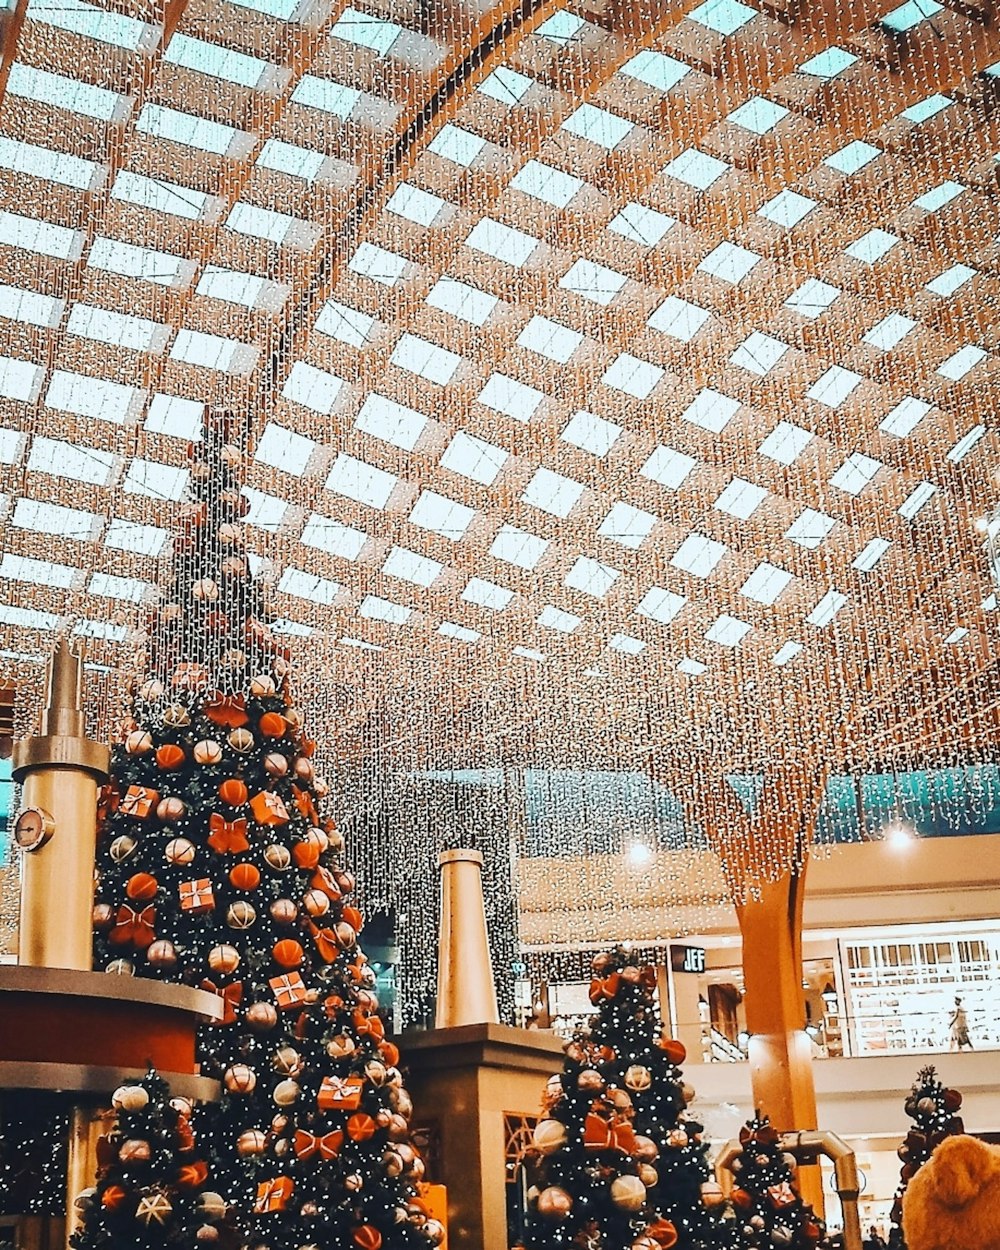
x=953, y=1201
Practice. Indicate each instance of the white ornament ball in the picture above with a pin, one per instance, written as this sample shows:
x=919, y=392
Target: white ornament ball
x=170, y=809
x=151, y=690
x=212, y=1206
x=286, y=1092
x=207, y=752
x=549, y=1136
x=129, y=1098
x=262, y=686
x=139, y=742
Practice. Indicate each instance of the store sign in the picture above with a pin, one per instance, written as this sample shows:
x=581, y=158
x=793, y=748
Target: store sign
x=687, y=958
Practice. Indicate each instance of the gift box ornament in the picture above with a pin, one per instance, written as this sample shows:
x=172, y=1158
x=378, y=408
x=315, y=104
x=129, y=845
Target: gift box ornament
x=781, y=1196
x=289, y=990
x=140, y=801
x=268, y=809
x=274, y=1195
x=197, y=897
x=340, y=1093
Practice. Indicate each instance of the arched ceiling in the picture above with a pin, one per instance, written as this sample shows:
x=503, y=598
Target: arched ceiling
x=627, y=361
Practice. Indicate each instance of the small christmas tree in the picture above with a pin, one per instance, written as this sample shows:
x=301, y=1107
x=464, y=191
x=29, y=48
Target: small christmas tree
x=34, y=1130
x=218, y=869
x=770, y=1213
x=933, y=1110
x=152, y=1186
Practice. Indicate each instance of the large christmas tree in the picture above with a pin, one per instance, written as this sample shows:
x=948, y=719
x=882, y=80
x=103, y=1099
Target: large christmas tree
x=934, y=1111
x=216, y=867
x=770, y=1212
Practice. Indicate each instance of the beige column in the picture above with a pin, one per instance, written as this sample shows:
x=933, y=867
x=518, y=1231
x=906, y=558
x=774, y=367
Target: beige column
x=466, y=993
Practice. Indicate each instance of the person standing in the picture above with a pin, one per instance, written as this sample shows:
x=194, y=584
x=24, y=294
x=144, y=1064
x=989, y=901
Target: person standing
x=959, y=1027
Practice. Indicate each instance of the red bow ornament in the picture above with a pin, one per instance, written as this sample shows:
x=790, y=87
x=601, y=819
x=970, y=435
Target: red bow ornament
x=340, y=1093
x=606, y=988
x=226, y=709
x=231, y=996
x=133, y=928
x=227, y=837
x=326, y=943
x=327, y=1147
x=273, y=1195
x=303, y=800
x=323, y=879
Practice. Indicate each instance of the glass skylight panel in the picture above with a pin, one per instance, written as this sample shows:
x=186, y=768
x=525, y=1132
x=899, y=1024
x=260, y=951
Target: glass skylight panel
x=905, y=417
x=785, y=443
x=410, y=566
x=341, y=321
x=141, y=540
x=869, y=556
x=925, y=109
x=729, y=263
x=711, y=410
x=786, y=654
x=727, y=631
x=529, y=653
x=414, y=204
x=289, y=158
x=829, y=63
x=92, y=22
x=632, y=376
x=956, y=636
x=159, y=195
x=330, y=536
x=741, y=498
x=555, y=618
x=441, y=515
x=591, y=433
x=593, y=282
x=175, y=417
x=990, y=603
x=212, y=351
x=545, y=182
x=552, y=492
x=641, y=225
x=951, y=280
x=501, y=242
x=285, y=10
x=233, y=286
x=35, y=235
x=378, y=609
x=852, y=158
x=834, y=386
x=678, y=318
x=29, y=307
x=425, y=359
x=27, y=618
x=12, y=444
x=655, y=70
x=696, y=169
x=359, y=644
x=698, y=555
x=163, y=268
x=117, y=329
x=600, y=126
x=871, y=247
x=810, y=528
x=67, y=93
x=379, y=264
x=284, y=449
x=725, y=17
x=465, y=302
x=474, y=458
x=889, y=331
x=549, y=339
x=39, y=162
x=827, y=608
x=591, y=577
x=266, y=512
x=457, y=145
x=449, y=629
x=20, y=379
x=486, y=594
x=127, y=589
x=326, y=95
x=660, y=605
x=99, y=629
x=965, y=444
x=812, y=298
x=758, y=353
x=519, y=547
x=391, y=422
x=217, y=62
x=507, y=395
x=313, y=388
x=937, y=197
x=765, y=583
x=668, y=467
x=787, y=208
x=959, y=364
x=855, y=473
x=917, y=498
x=71, y=460
x=361, y=481
x=260, y=223
x=506, y=85
x=155, y=480
x=560, y=27
x=366, y=30
x=910, y=14
x=627, y=525
x=186, y=128
x=758, y=115
x=308, y=586
x=626, y=644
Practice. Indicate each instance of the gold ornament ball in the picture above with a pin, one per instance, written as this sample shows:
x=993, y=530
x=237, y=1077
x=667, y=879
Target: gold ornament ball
x=341, y=1046
x=241, y=915
x=207, y=751
x=176, y=716
x=677, y=1138
x=179, y=851
x=712, y=1195
x=287, y=1060
x=294, y=716
x=212, y=1206
x=278, y=857
x=183, y=1106
x=103, y=916
x=646, y=1243
x=122, y=847
x=135, y=1150
x=241, y=740
x=251, y=1142
x=334, y=837
x=638, y=1077
x=375, y=1072
x=206, y=1233
x=687, y=1093
x=223, y=959
x=262, y=686
x=283, y=911
x=401, y=1102
x=229, y=533
x=275, y=764
x=322, y=788
x=630, y=974
x=171, y=809
x=161, y=954
x=393, y=1164
x=590, y=1080
x=345, y=935
x=628, y=1193
x=317, y=837
x=151, y=690
x=554, y=1203
x=398, y=1128
x=205, y=590
x=645, y=1150
x=120, y=968
x=286, y=1092
x=647, y=1174
x=316, y=902
x=139, y=742
x=549, y=1136
x=620, y=1100
x=240, y=1079
x=354, y=1183
x=434, y=1230
x=129, y=1098
x=262, y=1017
x=303, y=769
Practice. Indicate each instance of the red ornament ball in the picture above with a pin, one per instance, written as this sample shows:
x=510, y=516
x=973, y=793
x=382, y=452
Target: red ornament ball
x=244, y=876
x=234, y=792
x=287, y=953
x=141, y=887
x=169, y=757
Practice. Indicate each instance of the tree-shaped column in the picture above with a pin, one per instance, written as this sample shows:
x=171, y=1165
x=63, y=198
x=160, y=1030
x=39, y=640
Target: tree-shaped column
x=934, y=1111
x=217, y=868
x=770, y=1212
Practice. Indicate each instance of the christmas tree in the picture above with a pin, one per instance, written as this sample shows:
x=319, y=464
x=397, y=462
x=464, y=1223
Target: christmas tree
x=217, y=868
x=770, y=1213
x=34, y=1130
x=933, y=1110
x=151, y=1188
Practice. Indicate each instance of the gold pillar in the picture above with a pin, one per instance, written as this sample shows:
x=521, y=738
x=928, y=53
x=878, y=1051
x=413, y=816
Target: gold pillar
x=466, y=993
x=59, y=769
x=86, y=1124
